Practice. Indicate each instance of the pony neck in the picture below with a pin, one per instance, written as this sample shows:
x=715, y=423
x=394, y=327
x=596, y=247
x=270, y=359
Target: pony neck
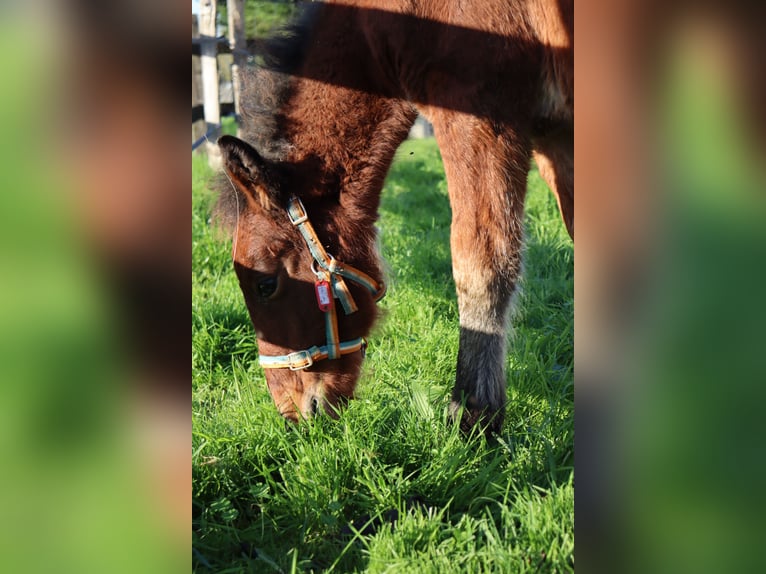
x=346, y=127
x=343, y=143
x=348, y=138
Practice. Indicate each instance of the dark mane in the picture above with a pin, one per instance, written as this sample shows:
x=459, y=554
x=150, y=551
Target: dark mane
x=266, y=88
x=267, y=85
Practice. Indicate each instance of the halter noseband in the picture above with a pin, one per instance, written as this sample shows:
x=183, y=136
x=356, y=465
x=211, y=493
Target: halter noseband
x=330, y=285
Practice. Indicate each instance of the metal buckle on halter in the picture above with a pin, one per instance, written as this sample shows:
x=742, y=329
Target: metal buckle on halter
x=302, y=218
x=320, y=273
x=334, y=266
x=299, y=357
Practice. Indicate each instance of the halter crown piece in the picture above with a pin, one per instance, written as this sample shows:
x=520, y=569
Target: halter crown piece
x=330, y=285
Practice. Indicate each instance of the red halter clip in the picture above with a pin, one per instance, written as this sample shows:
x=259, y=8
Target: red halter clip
x=324, y=295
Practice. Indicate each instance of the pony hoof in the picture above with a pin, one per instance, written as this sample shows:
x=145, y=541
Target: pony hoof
x=487, y=420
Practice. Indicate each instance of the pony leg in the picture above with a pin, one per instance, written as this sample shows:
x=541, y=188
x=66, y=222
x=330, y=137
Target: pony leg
x=486, y=176
x=554, y=155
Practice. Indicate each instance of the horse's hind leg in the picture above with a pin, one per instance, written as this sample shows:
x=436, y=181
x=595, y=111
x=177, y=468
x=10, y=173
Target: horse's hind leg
x=486, y=176
x=554, y=155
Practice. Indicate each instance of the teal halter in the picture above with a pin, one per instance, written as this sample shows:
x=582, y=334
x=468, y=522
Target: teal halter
x=331, y=275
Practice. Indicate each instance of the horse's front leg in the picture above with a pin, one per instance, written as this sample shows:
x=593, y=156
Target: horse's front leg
x=486, y=175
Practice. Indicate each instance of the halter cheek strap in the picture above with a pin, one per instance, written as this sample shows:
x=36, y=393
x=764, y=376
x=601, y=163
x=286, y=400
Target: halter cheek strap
x=337, y=270
x=330, y=274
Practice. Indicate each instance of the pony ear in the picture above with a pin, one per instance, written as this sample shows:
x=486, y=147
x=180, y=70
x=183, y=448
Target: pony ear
x=251, y=173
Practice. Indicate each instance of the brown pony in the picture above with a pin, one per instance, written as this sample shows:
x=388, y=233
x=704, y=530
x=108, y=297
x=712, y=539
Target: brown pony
x=325, y=111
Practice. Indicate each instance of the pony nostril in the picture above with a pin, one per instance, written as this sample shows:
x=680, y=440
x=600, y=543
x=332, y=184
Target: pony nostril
x=314, y=406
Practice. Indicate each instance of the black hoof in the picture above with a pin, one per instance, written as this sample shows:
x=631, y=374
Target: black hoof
x=470, y=418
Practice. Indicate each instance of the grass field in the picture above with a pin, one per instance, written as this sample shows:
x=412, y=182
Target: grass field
x=390, y=486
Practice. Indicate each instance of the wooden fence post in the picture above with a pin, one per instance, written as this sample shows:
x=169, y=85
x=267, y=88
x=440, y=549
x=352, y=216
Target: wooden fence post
x=236, y=13
x=209, y=64
x=198, y=127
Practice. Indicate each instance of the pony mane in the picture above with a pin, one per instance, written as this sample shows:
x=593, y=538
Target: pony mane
x=266, y=89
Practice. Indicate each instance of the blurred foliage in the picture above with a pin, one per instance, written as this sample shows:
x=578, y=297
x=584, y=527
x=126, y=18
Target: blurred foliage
x=77, y=493
x=261, y=18
x=695, y=422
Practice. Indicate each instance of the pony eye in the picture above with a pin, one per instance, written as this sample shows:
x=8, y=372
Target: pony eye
x=267, y=286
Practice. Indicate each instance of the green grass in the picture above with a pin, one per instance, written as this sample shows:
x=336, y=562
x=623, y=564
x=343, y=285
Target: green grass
x=390, y=486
